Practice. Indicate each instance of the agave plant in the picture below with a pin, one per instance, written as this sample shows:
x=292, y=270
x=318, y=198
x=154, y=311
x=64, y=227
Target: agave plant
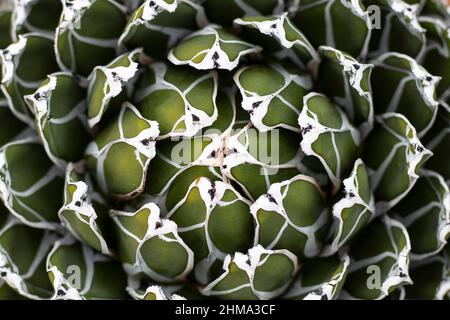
x=224, y=149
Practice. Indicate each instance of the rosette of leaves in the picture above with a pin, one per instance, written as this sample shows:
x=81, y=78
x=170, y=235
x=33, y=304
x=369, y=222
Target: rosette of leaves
x=121, y=153
x=425, y=213
x=21, y=75
x=77, y=272
x=394, y=156
x=87, y=34
x=59, y=108
x=151, y=245
x=328, y=135
x=320, y=279
x=401, y=85
x=163, y=21
x=181, y=100
x=84, y=212
x=378, y=268
x=31, y=186
x=214, y=220
x=259, y=274
x=211, y=48
x=292, y=215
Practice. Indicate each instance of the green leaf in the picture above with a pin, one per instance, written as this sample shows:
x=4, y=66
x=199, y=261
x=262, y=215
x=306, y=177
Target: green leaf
x=394, y=156
x=211, y=48
x=165, y=22
x=320, y=279
x=328, y=135
x=84, y=210
x=21, y=75
x=181, y=100
x=259, y=274
x=280, y=38
x=59, y=108
x=77, y=272
x=347, y=83
x=108, y=82
x=87, y=34
x=152, y=245
x=342, y=24
x=401, y=85
x=24, y=270
x=272, y=94
x=398, y=30
x=377, y=268
x=121, y=153
x=425, y=212
x=214, y=220
x=354, y=211
x=31, y=186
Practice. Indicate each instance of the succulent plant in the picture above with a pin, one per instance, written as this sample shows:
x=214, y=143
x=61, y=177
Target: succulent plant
x=225, y=149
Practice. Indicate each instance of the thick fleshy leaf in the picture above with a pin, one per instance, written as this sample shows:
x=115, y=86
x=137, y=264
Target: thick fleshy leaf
x=425, y=212
x=84, y=211
x=431, y=278
x=165, y=22
x=272, y=94
x=31, y=186
x=255, y=159
x=87, y=34
x=108, y=82
x=396, y=28
x=436, y=57
x=401, y=85
x=214, y=220
x=40, y=16
x=120, y=155
x=342, y=24
x=259, y=274
x=347, y=83
x=320, y=279
x=377, y=268
x=224, y=12
x=438, y=141
x=151, y=245
x=77, y=272
x=280, y=38
x=21, y=75
x=59, y=108
x=24, y=270
x=292, y=215
x=180, y=99
x=354, y=211
x=211, y=48
x=394, y=156
x=328, y=135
